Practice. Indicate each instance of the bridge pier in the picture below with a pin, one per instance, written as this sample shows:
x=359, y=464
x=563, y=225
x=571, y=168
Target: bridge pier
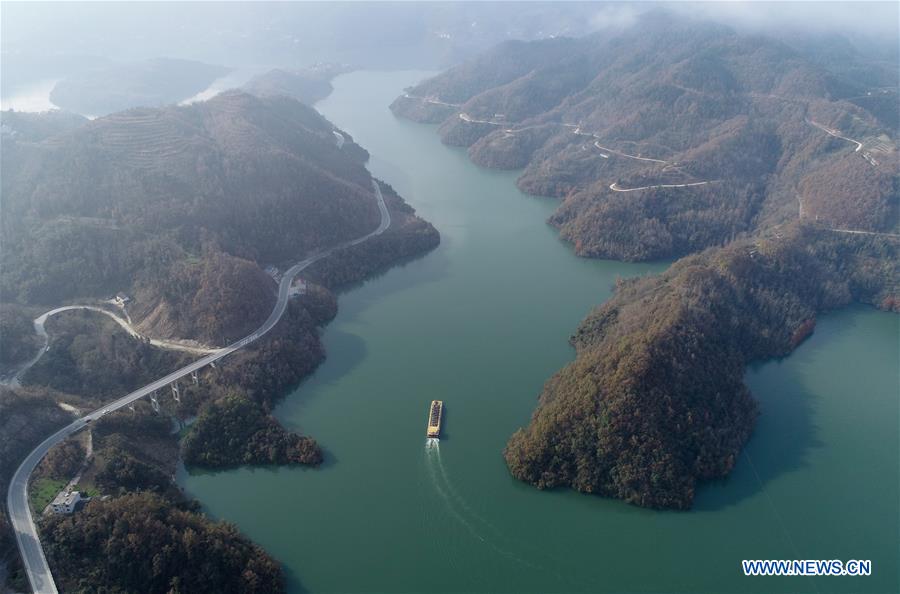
x=195, y=377
x=176, y=392
x=154, y=401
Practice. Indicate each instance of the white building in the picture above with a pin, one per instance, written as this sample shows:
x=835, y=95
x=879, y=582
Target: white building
x=65, y=502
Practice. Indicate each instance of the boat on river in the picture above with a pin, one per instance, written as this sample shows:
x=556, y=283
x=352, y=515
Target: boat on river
x=434, y=419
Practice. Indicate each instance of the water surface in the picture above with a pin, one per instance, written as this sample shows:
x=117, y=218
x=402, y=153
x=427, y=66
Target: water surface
x=481, y=323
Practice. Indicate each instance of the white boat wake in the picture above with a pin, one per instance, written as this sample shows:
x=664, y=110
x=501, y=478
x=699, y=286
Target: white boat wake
x=457, y=506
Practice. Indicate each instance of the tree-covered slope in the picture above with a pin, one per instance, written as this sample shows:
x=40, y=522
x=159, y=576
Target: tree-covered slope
x=148, y=83
x=739, y=126
x=655, y=400
x=307, y=85
x=182, y=208
x=140, y=542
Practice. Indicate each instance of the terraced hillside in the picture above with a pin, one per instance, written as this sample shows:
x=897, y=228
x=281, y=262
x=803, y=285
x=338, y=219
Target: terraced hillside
x=711, y=133
x=182, y=208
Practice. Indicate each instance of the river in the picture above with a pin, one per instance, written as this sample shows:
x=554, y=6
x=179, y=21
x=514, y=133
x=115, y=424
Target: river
x=481, y=323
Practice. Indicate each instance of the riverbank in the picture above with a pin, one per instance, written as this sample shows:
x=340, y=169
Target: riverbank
x=393, y=242
x=489, y=331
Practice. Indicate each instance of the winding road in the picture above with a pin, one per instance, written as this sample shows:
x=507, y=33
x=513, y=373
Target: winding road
x=467, y=118
x=837, y=134
x=42, y=332
x=621, y=154
x=578, y=132
x=615, y=188
x=26, y=531
x=430, y=100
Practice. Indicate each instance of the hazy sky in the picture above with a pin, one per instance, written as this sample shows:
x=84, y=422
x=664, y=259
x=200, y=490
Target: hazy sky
x=86, y=24
x=49, y=40
x=877, y=18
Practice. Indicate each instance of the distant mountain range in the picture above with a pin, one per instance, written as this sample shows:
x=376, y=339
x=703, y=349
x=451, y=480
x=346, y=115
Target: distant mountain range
x=729, y=133
x=149, y=83
x=307, y=84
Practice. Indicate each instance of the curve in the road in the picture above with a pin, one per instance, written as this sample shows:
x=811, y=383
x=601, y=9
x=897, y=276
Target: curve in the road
x=27, y=538
x=615, y=188
x=836, y=134
x=40, y=330
x=469, y=119
x=578, y=132
x=621, y=154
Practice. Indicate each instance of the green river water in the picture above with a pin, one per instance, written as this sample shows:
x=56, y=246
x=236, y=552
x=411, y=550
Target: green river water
x=481, y=323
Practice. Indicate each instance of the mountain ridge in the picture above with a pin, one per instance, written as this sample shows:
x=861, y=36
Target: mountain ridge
x=670, y=101
x=168, y=203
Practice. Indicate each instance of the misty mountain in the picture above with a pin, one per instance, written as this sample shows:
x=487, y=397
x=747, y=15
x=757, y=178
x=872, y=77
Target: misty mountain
x=288, y=35
x=738, y=126
x=149, y=83
x=307, y=84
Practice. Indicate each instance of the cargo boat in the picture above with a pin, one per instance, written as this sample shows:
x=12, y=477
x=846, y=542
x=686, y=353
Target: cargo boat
x=434, y=419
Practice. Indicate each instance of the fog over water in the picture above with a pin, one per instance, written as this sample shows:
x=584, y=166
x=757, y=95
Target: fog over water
x=34, y=97
x=43, y=41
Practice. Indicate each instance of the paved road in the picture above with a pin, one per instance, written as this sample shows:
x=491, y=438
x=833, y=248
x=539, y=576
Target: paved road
x=45, y=340
x=430, y=100
x=578, y=132
x=850, y=231
x=621, y=154
x=870, y=233
x=467, y=118
x=33, y=558
x=615, y=188
x=837, y=134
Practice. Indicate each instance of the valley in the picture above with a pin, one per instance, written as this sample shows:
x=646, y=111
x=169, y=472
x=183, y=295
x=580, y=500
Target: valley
x=368, y=401
x=638, y=266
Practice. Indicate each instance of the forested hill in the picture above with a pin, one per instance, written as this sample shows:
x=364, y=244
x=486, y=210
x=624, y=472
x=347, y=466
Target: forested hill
x=180, y=207
x=742, y=128
x=307, y=85
x=150, y=83
x=655, y=400
x=30, y=126
x=775, y=165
